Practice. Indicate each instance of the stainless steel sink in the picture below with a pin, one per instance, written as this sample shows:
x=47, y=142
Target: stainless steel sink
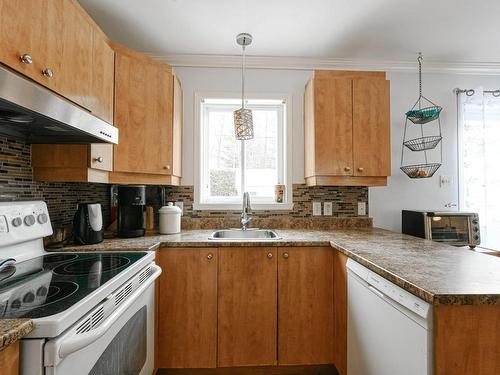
x=247, y=235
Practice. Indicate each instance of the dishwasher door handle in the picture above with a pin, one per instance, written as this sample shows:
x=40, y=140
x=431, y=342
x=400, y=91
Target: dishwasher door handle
x=376, y=291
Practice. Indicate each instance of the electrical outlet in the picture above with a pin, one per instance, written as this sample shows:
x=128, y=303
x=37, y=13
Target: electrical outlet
x=181, y=206
x=361, y=208
x=328, y=209
x=445, y=181
x=316, y=208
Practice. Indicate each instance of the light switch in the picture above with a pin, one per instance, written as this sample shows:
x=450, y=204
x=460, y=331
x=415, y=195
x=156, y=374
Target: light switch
x=181, y=206
x=316, y=208
x=361, y=208
x=328, y=209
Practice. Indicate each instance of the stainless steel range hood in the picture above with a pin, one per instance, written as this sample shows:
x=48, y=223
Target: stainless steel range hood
x=34, y=114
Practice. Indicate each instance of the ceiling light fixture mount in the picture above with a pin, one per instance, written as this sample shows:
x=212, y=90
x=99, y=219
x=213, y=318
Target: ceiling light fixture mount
x=243, y=119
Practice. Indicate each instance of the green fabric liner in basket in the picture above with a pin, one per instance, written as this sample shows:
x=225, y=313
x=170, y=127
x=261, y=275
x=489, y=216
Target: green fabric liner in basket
x=424, y=112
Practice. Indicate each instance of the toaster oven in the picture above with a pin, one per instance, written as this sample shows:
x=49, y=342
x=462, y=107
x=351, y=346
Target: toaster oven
x=454, y=228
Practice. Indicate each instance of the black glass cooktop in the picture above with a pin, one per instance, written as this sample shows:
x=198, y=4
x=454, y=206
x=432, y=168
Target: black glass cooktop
x=51, y=283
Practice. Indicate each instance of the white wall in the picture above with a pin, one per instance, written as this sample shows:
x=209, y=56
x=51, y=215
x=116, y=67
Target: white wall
x=402, y=192
x=289, y=82
x=385, y=203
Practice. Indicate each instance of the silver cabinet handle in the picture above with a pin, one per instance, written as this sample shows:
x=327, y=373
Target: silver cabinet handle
x=27, y=59
x=285, y=255
x=270, y=255
x=47, y=72
x=166, y=167
x=361, y=169
x=210, y=256
x=347, y=169
x=99, y=159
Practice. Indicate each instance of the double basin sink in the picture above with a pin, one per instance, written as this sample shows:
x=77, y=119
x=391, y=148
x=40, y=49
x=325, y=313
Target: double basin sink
x=247, y=235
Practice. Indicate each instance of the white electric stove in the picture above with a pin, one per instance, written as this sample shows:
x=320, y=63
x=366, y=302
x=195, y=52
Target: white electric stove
x=93, y=312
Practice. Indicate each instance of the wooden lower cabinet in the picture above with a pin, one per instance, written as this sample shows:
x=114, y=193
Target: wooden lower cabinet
x=9, y=360
x=247, y=320
x=306, y=306
x=253, y=307
x=187, y=311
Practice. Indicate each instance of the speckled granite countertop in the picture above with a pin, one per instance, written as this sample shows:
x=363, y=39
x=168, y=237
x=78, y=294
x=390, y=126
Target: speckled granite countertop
x=437, y=273
x=12, y=330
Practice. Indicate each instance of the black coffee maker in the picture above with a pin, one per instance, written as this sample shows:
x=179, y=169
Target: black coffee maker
x=131, y=203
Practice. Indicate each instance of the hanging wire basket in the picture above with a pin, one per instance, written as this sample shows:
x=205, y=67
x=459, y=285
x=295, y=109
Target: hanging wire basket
x=420, y=170
x=424, y=115
x=423, y=143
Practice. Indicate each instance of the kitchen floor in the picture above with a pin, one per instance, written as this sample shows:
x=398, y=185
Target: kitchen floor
x=267, y=370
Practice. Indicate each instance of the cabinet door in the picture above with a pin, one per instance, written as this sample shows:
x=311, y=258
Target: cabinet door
x=75, y=77
x=247, y=311
x=143, y=114
x=30, y=27
x=103, y=77
x=9, y=360
x=306, y=315
x=187, y=318
x=177, y=128
x=333, y=126
x=371, y=127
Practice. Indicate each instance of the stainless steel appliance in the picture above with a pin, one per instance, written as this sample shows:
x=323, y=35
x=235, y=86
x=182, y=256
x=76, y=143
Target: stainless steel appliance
x=131, y=206
x=34, y=114
x=454, y=228
x=93, y=313
x=88, y=224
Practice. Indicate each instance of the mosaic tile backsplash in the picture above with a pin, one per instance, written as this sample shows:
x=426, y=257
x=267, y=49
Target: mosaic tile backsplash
x=16, y=181
x=62, y=198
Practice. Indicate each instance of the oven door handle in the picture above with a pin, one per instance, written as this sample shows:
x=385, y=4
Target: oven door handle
x=76, y=342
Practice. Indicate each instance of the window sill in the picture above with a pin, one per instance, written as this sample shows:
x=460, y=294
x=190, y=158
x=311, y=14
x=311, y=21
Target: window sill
x=237, y=207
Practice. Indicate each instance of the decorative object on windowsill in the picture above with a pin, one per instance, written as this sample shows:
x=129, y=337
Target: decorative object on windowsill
x=422, y=112
x=279, y=193
x=243, y=121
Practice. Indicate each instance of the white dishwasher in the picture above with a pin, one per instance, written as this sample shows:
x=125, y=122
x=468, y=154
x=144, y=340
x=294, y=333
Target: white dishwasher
x=389, y=329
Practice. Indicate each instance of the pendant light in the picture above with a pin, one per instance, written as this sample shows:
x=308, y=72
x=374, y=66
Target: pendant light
x=243, y=121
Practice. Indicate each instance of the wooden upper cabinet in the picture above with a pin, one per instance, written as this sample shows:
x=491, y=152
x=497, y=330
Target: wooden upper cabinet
x=68, y=51
x=149, y=147
x=247, y=311
x=30, y=28
x=103, y=77
x=347, y=128
x=187, y=308
x=306, y=306
x=371, y=133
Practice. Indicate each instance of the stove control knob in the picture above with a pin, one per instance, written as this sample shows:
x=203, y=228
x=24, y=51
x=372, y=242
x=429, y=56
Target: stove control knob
x=29, y=297
x=15, y=304
x=43, y=218
x=29, y=220
x=17, y=222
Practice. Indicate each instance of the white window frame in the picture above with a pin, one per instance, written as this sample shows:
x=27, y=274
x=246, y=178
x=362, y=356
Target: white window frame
x=284, y=140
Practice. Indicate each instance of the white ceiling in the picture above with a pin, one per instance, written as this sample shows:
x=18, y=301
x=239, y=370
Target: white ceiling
x=391, y=30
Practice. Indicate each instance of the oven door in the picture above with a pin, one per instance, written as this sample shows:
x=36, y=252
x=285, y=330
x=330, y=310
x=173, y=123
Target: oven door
x=121, y=344
x=452, y=229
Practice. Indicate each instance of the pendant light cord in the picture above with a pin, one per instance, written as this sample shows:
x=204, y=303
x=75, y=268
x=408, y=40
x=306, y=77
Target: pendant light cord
x=243, y=80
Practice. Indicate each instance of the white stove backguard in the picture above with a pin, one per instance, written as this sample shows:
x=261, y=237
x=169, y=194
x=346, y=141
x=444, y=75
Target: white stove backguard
x=22, y=228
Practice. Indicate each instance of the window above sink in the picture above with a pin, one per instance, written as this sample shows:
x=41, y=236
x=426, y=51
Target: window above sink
x=226, y=167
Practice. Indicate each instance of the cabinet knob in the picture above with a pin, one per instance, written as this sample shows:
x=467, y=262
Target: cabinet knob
x=270, y=255
x=361, y=169
x=210, y=256
x=166, y=167
x=347, y=169
x=26, y=59
x=99, y=159
x=285, y=255
x=47, y=72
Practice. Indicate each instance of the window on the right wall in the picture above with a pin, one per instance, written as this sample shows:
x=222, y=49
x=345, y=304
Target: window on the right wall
x=479, y=162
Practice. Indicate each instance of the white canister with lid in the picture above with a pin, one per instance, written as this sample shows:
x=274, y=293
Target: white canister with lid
x=170, y=219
